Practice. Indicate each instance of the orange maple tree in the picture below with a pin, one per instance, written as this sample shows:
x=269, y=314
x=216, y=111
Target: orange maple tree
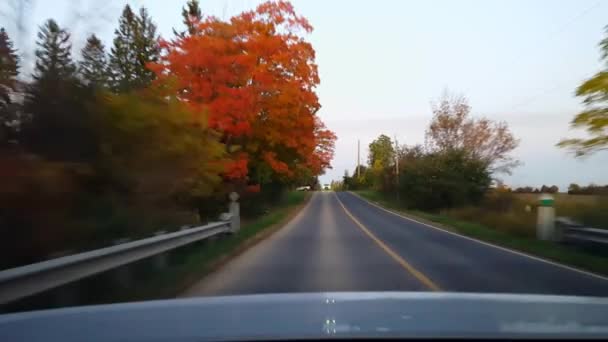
x=255, y=78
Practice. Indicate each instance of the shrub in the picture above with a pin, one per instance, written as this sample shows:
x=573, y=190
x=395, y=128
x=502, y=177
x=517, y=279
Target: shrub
x=444, y=180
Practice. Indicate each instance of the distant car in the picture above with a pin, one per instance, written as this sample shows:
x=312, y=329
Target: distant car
x=303, y=188
x=317, y=316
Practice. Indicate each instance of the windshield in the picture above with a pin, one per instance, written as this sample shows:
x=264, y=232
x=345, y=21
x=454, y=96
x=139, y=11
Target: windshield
x=195, y=149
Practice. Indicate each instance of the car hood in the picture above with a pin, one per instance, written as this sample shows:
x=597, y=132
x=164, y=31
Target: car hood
x=318, y=315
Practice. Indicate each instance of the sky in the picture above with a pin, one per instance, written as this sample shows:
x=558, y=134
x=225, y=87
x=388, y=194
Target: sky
x=382, y=63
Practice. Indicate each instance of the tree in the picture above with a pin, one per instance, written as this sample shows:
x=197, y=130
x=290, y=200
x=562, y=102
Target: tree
x=255, y=76
x=58, y=123
x=152, y=144
x=93, y=67
x=443, y=179
x=54, y=54
x=574, y=188
x=381, y=157
x=381, y=152
x=9, y=69
x=452, y=127
x=135, y=45
x=146, y=46
x=594, y=119
x=192, y=16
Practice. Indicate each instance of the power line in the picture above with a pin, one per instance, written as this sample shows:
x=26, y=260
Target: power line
x=534, y=98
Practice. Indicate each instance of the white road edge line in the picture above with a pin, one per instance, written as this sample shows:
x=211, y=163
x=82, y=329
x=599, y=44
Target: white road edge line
x=486, y=243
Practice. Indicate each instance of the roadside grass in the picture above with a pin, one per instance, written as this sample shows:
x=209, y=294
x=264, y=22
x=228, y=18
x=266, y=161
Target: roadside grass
x=568, y=255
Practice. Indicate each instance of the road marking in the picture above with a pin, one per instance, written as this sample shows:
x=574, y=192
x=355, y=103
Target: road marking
x=570, y=268
x=417, y=274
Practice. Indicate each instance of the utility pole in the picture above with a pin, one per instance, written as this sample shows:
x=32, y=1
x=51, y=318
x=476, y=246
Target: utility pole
x=397, y=167
x=358, y=159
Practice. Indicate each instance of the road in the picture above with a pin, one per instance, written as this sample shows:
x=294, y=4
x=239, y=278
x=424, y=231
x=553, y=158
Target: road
x=340, y=242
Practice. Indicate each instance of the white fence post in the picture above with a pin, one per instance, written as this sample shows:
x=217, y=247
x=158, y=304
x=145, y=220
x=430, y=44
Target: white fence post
x=545, y=224
x=235, y=212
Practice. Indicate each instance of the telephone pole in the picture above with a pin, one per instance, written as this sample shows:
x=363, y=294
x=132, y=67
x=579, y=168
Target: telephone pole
x=397, y=167
x=358, y=159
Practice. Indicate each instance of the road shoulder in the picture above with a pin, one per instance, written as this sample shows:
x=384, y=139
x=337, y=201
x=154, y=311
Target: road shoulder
x=192, y=286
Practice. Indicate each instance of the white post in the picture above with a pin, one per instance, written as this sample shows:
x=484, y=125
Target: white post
x=235, y=212
x=545, y=225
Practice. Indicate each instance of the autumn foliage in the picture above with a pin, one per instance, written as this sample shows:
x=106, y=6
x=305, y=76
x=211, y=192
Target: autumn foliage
x=155, y=133
x=255, y=77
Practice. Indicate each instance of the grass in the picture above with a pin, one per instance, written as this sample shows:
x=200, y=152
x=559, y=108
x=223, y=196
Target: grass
x=563, y=254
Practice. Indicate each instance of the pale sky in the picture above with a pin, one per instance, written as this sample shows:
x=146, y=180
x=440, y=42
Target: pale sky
x=382, y=62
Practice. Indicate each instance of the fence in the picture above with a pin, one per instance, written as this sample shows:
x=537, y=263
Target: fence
x=20, y=282
x=570, y=231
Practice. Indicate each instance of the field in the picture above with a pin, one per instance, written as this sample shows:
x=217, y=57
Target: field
x=516, y=213
x=561, y=198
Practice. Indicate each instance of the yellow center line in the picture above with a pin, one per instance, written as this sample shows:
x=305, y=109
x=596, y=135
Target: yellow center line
x=411, y=269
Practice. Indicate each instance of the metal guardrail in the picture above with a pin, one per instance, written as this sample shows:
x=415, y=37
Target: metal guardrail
x=572, y=231
x=27, y=280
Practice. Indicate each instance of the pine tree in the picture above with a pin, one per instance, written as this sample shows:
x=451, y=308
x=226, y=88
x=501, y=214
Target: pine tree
x=191, y=14
x=93, y=67
x=147, y=48
x=9, y=69
x=135, y=45
x=121, y=58
x=58, y=124
x=54, y=53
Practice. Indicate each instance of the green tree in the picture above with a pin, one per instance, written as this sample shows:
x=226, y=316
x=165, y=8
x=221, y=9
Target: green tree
x=443, y=179
x=381, y=159
x=135, y=45
x=191, y=14
x=58, y=123
x=594, y=119
x=54, y=54
x=122, y=58
x=9, y=70
x=574, y=188
x=381, y=152
x=93, y=67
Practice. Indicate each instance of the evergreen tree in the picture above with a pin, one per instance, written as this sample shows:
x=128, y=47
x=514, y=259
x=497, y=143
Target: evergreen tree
x=135, y=45
x=121, y=57
x=58, y=124
x=94, y=65
x=147, y=48
x=9, y=69
x=54, y=53
x=191, y=14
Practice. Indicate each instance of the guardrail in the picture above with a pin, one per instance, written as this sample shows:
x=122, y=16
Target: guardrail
x=20, y=282
x=572, y=231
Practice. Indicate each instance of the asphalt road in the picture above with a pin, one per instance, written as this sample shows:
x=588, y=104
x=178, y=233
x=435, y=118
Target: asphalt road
x=340, y=242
